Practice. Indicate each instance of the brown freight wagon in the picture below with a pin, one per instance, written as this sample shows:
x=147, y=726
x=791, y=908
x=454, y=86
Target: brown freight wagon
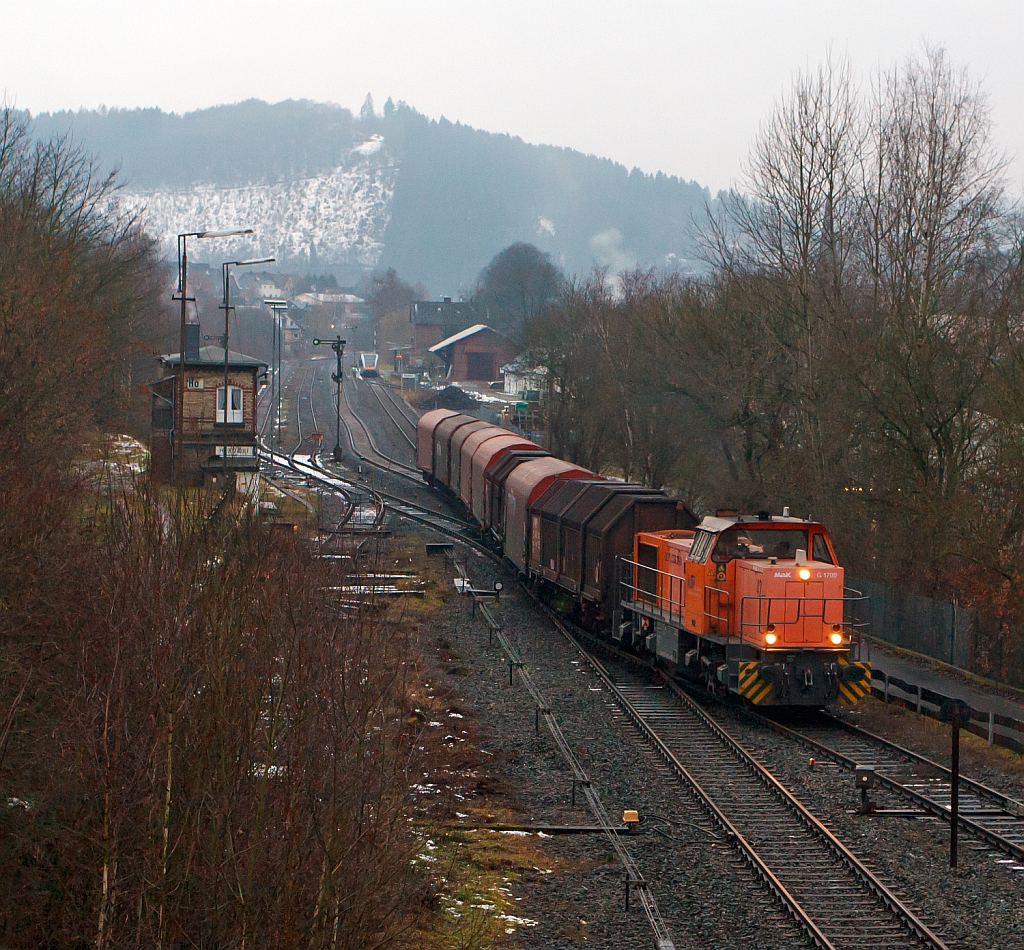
x=495, y=477
x=443, y=445
x=425, y=439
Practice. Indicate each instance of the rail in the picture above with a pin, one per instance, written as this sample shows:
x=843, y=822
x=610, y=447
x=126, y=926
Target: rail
x=635, y=881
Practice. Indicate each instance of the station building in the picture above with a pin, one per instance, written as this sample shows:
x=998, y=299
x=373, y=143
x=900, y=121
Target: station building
x=474, y=354
x=219, y=429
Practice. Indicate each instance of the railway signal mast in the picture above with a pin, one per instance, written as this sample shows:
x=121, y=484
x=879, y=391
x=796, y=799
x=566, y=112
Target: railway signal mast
x=338, y=345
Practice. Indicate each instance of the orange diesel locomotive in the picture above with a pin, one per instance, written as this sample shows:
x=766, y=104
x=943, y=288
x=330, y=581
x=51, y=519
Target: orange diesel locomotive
x=754, y=605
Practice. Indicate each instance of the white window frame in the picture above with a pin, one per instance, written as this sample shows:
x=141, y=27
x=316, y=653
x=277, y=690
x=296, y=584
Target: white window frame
x=236, y=414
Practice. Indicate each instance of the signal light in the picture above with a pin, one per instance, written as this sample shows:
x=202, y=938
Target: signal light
x=804, y=574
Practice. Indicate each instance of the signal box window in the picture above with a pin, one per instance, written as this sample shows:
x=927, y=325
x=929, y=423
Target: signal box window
x=235, y=408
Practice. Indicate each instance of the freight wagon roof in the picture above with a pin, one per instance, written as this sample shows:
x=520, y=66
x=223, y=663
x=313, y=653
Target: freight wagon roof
x=430, y=420
x=560, y=495
x=590, y=501
x=528, y=480
x=479, y=437
x=492, y=449
x=447, y=426
x=608, y=517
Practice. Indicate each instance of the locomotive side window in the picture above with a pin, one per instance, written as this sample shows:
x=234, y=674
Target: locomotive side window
x=701, y=548
x=820, y=552
x=743, y=542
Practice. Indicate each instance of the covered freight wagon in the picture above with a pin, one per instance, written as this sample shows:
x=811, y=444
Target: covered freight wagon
x=459, y=437
x=495, y=477
x=425, y=439
x=443, y=445
x=523, y=487
x=486, y=455
x=583, y=526
x=469, y=448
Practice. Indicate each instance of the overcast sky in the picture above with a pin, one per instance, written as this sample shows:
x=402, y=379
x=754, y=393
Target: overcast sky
x=673, y=86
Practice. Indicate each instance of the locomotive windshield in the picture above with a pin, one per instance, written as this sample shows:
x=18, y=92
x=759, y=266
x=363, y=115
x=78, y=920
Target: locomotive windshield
x=743, y=542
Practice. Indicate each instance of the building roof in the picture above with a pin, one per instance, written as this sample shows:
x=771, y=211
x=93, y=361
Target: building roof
x=211, y=356
x=462, y=335
x=434, y=313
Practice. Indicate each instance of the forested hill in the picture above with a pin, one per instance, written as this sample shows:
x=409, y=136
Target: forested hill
x=436, y=200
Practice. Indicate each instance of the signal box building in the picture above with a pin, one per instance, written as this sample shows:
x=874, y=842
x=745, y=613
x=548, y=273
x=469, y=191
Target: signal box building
x=475, y=354
x=217, y=444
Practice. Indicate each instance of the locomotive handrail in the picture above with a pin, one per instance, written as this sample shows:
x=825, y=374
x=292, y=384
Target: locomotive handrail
x=661, y=594
x=764, y=617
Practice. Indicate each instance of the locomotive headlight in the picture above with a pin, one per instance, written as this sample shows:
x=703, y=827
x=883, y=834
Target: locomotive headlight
x=836, y=638
x=804, y=574
x=769, y=634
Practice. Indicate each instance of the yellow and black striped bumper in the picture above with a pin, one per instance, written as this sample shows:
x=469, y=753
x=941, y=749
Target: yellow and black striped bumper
x=751, y=685
x=852, y=691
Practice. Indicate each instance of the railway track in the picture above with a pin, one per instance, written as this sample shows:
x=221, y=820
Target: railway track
x=839, y=902
x=984, y=812
x=375, y=456
x=402, y=422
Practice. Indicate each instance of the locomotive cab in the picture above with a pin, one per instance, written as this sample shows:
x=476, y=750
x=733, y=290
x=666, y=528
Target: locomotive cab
x=754, y=604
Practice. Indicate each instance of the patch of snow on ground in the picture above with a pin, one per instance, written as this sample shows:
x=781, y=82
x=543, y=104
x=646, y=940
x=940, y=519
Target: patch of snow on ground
x=343, y=214
x=371, y=145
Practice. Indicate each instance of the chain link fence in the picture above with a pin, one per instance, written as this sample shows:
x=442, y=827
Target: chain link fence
x=947, y=632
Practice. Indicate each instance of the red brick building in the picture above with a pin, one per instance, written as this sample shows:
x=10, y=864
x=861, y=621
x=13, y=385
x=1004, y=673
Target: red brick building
x=475, y=354
x=216, y=444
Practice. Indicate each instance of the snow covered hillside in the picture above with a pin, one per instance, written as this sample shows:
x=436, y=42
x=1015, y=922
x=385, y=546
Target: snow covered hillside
x=335, y=219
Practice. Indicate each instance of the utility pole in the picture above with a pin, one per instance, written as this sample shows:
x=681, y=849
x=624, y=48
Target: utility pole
x=179, y=396
x=277, y=307
x=338, y=345
x=227, y=308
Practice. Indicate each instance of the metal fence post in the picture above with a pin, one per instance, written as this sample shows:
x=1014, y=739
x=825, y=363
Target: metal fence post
x=919, y=699
x=886, y=697
x=991, y=727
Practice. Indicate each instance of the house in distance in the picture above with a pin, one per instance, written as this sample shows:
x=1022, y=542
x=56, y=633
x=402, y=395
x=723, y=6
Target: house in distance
x=219, y=429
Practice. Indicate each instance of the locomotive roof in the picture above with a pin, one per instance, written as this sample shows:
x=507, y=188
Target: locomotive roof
x=718, y=523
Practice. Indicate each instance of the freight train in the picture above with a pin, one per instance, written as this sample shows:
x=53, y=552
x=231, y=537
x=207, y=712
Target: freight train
x=752, y=605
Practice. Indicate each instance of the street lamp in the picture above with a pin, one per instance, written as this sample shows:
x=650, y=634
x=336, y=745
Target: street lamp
x=227, y=308
x=338, y=345
x=275, y=352
x=179, y=400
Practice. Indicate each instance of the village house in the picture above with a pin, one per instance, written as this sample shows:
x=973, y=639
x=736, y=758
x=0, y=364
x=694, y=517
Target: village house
x=219, y=430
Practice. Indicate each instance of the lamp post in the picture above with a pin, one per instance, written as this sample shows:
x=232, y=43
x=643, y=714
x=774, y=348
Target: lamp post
x=227, y=308
x=338, y=345
x=179, y=399
x=276, y=307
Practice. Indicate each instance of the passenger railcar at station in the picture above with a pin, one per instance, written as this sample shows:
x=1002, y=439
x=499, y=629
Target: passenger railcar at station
x=368, y=365
x=726, y=601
